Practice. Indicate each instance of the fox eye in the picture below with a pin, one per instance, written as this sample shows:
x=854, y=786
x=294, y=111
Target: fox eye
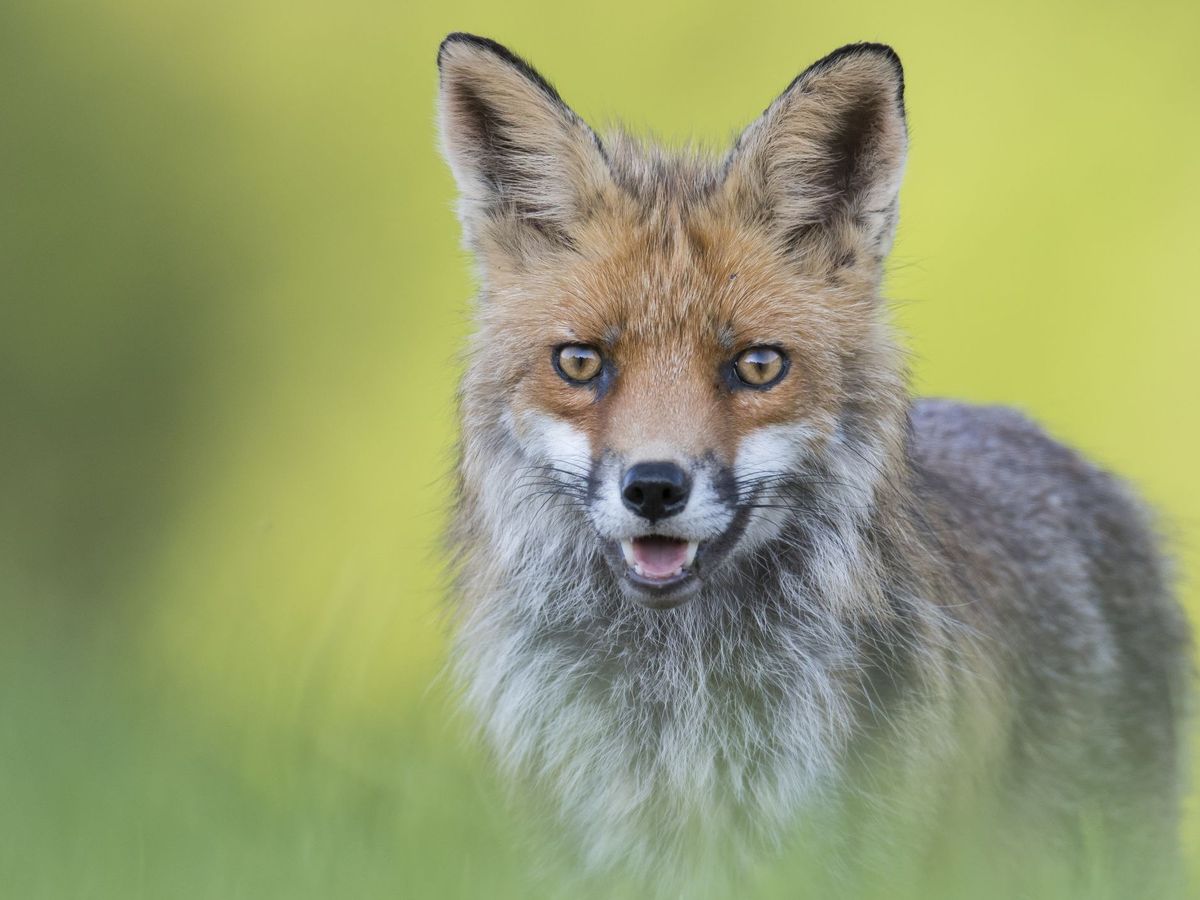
x=578, y=363
x=760, y=367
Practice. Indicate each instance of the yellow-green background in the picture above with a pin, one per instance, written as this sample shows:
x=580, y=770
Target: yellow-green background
x=231, y=297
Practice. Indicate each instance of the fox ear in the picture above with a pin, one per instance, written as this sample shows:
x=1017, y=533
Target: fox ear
x=527, y=167
x=822, y=166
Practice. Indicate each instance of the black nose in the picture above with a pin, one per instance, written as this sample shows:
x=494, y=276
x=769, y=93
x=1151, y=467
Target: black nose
x=655, y=490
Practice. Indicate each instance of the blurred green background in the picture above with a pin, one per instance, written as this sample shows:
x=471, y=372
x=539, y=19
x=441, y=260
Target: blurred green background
x=232, y=298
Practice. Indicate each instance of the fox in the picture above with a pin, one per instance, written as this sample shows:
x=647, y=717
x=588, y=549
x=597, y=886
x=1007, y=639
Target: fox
x=721, y=584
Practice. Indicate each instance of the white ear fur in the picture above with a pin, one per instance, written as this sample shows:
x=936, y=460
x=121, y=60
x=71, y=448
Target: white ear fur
x=518, y=152
x=822, y=166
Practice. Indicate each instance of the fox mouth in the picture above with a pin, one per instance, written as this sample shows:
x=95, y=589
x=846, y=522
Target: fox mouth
x=658, y=560
x=660, y=567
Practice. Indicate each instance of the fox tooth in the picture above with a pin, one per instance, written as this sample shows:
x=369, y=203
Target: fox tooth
x=627, y=550
x=692, y=547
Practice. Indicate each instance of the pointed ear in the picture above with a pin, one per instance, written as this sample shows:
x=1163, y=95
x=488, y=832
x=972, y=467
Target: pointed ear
x=822, y=166
x=528, y=168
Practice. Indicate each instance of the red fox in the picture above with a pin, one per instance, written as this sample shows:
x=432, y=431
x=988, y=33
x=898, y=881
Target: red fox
x=719, y=576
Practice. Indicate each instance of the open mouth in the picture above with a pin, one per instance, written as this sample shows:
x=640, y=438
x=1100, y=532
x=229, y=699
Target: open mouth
x=655, y=561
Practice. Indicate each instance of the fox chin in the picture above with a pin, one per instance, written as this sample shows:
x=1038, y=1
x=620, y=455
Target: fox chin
x=718, y=575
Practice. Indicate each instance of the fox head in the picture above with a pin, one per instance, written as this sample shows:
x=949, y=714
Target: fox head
x=681, y=356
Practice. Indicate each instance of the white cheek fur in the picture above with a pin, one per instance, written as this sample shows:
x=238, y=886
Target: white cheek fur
x=767, y=451
x=772, y=450
x=555, y=441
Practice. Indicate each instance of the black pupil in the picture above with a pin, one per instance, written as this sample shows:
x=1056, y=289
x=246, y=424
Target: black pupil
x=577, y=362
x=759, y=363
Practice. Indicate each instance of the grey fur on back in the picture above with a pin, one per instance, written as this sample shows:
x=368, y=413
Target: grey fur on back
x=1080, y=603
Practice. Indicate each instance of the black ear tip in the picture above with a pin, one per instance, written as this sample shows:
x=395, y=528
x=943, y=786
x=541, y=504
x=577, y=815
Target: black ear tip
x=864, y=48
x=462, y=37
x=499, y=51
x=885, y=50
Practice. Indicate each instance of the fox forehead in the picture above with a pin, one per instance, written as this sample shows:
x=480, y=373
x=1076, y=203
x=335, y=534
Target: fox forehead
x=666, y=264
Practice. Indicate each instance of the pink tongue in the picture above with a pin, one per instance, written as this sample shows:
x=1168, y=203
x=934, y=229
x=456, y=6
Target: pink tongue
x=659, y=556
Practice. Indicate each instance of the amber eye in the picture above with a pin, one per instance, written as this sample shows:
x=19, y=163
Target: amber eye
x=578, y=363
x=760, y=367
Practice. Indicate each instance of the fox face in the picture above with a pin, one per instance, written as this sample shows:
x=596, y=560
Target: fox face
x=685, y=354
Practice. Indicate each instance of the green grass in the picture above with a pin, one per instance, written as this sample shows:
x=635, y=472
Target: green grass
x=106, y=790
x=109, y=790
